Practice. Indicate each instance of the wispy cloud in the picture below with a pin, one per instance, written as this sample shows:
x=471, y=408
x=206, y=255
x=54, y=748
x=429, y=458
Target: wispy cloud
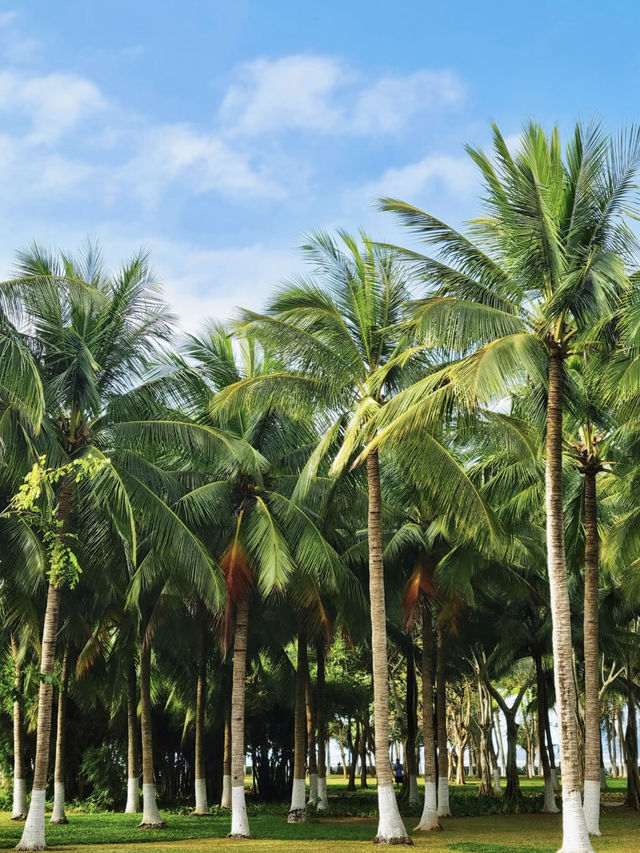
x=455, y=174
x=325, y=94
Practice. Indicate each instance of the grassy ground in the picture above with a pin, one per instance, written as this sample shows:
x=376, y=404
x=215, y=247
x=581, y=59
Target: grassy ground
x=484, y=834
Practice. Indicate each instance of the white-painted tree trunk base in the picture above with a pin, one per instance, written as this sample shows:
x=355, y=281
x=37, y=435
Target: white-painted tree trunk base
x=444, y=809
x=33, y=832
x=239, y=819
x=429, y=820
x=575, y=838
x=554, y=779
x=133, y=797
x=496, y=780
x=550, y=806
x=298, y=810
x=391, y=829
x=323, y=800
x=414, y=799
x=313, y=789
x=202, y=807
x=19, y=810
x=150, y=815
x=225, y=800
x=591, y=806
x=58, y=815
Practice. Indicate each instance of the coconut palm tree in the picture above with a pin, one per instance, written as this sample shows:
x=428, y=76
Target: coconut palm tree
x=259, y=534
x=90, y=342
x=344, y=355
x=537, y=275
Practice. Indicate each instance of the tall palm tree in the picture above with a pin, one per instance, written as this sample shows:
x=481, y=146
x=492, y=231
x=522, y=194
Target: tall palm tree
x=344, y=353
x=537, y=275
x=245, y=512
x=90, y=340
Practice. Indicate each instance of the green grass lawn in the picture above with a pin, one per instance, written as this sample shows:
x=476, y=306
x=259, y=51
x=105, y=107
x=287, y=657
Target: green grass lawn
x=532, y=833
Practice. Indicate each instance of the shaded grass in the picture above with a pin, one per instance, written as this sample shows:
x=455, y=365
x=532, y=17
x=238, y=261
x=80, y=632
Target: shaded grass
x=485, y=834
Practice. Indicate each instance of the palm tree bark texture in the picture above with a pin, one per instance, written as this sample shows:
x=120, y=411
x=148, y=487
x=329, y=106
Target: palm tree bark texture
x=391, y=829
x=239, y=820
x=575, y=834
x=33, y=835
x=150, y=815
x=591, y=655
x=298, y=810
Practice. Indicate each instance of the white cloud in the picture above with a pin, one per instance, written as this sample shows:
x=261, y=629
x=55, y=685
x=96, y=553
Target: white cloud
x=54, y=104
x=324, y=94
x=391, y=102
x=291, y=92
x=201, y=284
x=204, y=162
x=457, y=174
x=14, y=46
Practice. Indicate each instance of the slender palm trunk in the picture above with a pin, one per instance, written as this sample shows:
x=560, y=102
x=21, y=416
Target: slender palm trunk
x=225, y=802
x=239, y=820
x=441, y=720
x=133, y=773
x=298, y=810
x=429, y=820
x=550, y=806
x=363, y=751
x=311, y=742
x=323, y=802
x=498, y=731
x=19, y=810
x=58, y=815
x=631, y=742
x=591, y=657
x=412, y=726
x=391, y=829
x=150, y=815
x=202, y=807
x=575, y=834
x=33, y=834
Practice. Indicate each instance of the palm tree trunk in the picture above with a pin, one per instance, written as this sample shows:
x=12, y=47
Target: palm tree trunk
x=225, y=802
x=323, y=802
x=19, y=810
x=391, y=829
x=202, y=807
x=429, y=820
x=311, y=742
x=133, y=774
x=412, y=726
x=363, y=752
x=239, y=820
x=33, y=834
x=441, y=720
x=575, y=834
x=549, y=806
x=150, y=815
x=631, y=742
x=298, y=810
x=58, y=815
x=354, y=749
x=591, y=657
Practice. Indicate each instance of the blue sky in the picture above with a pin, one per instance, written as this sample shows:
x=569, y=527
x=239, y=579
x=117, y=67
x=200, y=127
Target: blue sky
x=214, y=134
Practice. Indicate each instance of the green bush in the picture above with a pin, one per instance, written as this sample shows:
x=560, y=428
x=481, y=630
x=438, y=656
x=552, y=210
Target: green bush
x=104, y=769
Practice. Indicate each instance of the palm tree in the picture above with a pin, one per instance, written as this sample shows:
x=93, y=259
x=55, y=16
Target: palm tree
x=537, y=275
x=343, y=351
x=261, y=536
x=89, y=341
